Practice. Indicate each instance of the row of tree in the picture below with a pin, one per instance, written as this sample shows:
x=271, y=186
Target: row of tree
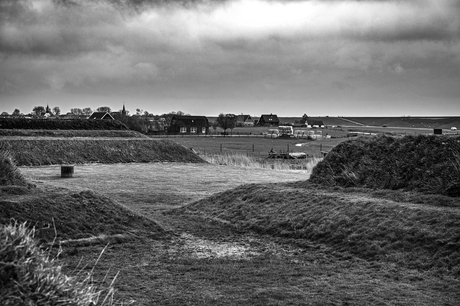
x=139, y=122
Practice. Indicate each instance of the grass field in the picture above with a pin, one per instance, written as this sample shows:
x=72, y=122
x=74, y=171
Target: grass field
x=258, y=147
x=214, y=259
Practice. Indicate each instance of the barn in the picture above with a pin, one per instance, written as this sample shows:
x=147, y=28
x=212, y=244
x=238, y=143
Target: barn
x=189, y=125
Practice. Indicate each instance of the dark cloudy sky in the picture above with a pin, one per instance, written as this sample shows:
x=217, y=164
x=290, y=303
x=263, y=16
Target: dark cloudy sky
x=320, y=57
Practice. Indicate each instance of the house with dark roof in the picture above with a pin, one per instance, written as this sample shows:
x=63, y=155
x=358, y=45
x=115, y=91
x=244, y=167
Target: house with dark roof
x=268, y=120
x=189, y=125
x=101, y=116
x=244, y=120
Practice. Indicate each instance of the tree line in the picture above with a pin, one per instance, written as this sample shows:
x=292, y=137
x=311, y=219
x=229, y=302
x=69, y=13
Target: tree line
x=141, y=120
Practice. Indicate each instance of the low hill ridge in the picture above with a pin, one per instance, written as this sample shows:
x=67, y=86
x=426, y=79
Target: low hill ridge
x=36, y=152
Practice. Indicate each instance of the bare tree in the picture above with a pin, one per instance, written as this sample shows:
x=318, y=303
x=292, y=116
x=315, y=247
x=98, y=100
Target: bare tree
x=87, y=111
x=39, y=110
x=76, y=111
x=104, y=109
x=56, y=110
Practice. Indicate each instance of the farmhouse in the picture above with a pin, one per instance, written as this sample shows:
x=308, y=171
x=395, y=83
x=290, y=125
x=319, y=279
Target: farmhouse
x=189, y=125
x=268, y=120
x=101, y=116
x=244, y=120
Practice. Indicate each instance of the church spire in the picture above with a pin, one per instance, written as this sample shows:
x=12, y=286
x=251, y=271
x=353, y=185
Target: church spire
x=123, y=111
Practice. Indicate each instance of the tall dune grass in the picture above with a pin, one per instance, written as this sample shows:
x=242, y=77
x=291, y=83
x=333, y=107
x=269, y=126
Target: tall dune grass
x=248, y=161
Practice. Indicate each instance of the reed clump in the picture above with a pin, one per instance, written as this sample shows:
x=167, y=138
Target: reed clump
x=236, y=159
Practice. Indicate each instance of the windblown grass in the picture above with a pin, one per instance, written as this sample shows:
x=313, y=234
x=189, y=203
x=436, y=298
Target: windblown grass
x=79, y=151
x=29, y=276
x=10, y=175
x=428, y=164
x=417, y=236
x=249, y=161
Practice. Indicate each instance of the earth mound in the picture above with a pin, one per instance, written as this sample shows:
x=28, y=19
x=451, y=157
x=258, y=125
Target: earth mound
x=36, y=152
x=67, y=215
x=429, y=164
x=371, y=225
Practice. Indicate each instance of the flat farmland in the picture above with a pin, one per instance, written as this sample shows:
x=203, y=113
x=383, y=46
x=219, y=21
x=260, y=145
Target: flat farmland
x=257, y=146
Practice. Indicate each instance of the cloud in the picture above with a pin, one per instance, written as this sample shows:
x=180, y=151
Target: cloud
x=243, y=49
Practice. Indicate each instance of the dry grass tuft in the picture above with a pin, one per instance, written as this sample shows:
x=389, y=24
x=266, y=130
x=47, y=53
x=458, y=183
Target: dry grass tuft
x=9, y=172
x=28, y=276
x=248, y=161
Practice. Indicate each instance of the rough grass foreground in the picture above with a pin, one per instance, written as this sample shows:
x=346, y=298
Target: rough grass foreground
x=78, y=151
x=428, y=164
x=30, y=276
x=371, y=226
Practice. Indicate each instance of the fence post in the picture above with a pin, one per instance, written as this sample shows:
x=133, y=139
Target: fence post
x=252, y=148
x=220, y=148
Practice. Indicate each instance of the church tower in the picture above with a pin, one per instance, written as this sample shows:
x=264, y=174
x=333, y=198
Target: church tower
x=123, y=111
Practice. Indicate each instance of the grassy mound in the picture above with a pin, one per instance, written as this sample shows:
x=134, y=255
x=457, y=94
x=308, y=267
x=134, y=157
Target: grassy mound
x=71, y=133
x=428, y=164
x=28, y=276
x=78, y=151
x=373, y=227
x=66, y=215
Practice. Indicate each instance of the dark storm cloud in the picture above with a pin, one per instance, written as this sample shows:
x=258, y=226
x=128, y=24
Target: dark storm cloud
x=243, y=49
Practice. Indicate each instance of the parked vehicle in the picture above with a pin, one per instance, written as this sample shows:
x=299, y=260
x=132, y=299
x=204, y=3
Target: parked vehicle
x=285, y=131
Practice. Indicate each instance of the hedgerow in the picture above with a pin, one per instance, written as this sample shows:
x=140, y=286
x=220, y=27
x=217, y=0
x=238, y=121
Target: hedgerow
x=57, y=124
x=429, y=164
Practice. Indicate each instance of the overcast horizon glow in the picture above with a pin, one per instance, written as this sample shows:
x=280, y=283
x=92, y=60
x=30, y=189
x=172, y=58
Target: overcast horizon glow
x=336, y=58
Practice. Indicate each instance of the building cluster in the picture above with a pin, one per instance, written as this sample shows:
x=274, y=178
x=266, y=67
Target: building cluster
x=173, y=123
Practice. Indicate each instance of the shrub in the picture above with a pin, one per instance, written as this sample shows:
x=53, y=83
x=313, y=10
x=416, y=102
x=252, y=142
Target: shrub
x=29, y=277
